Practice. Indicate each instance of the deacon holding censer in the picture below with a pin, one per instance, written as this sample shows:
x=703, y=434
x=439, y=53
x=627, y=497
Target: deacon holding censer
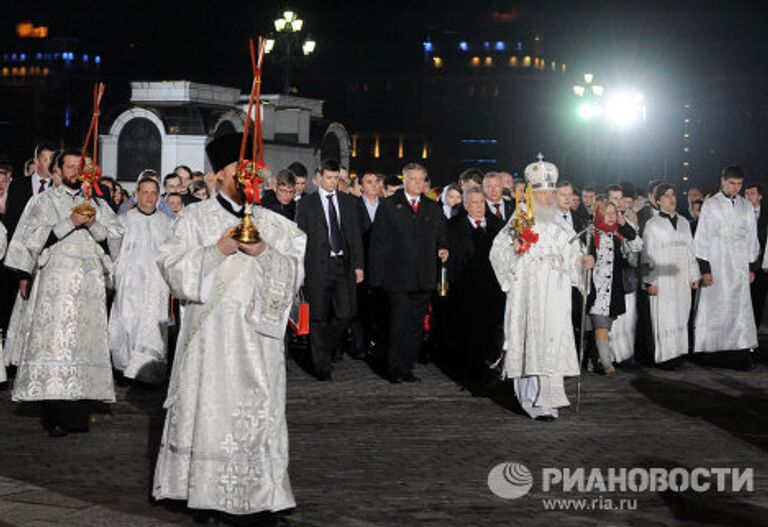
x=224, y=447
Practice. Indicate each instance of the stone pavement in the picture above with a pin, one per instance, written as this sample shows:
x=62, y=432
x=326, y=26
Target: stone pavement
x=365, y=453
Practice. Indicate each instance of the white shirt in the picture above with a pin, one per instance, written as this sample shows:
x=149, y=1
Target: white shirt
x=324, y=202
x=566, y=217
x=411, y=198
x=36, y=179
x=757, y=213
x=492, y=208
x=371, y=208
x=473, y=221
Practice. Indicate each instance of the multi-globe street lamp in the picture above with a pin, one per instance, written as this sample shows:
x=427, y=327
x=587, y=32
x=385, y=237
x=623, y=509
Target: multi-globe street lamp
x=285, y=44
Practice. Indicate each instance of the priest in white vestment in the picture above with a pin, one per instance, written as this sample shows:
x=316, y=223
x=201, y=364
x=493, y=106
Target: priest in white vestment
x=3, y=246
x=671, y=271
x=225, y=440
x=539, y=346
x=138, y=323
x=65, y=354
x=726, y=246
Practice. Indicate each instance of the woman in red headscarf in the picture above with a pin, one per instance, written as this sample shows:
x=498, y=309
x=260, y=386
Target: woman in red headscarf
x=614, y=237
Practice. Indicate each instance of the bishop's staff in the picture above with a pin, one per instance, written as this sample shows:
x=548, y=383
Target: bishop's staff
x=90, y=173
x=583, y=326
x=251, y=173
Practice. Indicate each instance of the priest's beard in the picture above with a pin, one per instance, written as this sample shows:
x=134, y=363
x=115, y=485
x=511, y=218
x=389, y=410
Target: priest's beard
x=544, y=214
x=74, y=184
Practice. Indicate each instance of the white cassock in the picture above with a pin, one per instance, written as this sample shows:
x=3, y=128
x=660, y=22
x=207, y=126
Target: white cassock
x=726, y=237
x=671, y=266
x=225, y=440
x=138, y=322
x=622, y=334
x=3, y=246
x=538, y=333
x=18, y=326
x=65, y=354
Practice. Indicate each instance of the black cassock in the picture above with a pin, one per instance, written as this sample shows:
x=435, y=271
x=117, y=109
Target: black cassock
x=475, y=307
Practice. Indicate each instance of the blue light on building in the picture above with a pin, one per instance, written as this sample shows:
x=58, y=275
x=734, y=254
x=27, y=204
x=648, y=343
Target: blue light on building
x=97, y=59
x=38, y=56
x=13, y=57
x=428, y=47
x=480, y=141
x=481, y=161
x=67, y=117
x=23, y=57
x=519, y=46
x=500, y=46
x=463, y=46
x=487, y=45
x=86, y=58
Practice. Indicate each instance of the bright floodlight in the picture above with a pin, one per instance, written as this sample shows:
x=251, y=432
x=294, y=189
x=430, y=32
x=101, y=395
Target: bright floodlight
x=625, y=109
x=289, y=16
x=588, y=78
x=578, y=90
x=280, y=24
x=589, y=111
x=309, y=47
x=297, y=24
x=598, y=90
x=269, y=45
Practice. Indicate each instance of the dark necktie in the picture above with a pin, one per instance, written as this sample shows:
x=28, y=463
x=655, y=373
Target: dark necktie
x=415, y=205
x=42, y=185
x=333, y=220
x=478, y=224
x=498, y=211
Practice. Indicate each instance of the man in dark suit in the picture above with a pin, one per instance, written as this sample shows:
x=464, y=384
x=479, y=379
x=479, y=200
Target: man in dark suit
x=370, y=302
x=20, y=191
x=408, y=237
x=333, y=263
x=475, y=309
x=650, y=209
x=497, y=206
x=281, y=200
x=644, y=343
x=759, y=288
x=578, y=222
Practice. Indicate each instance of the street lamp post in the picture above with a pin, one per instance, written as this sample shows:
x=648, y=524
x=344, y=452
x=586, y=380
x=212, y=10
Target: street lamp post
x=285, y=44
x=590, y=109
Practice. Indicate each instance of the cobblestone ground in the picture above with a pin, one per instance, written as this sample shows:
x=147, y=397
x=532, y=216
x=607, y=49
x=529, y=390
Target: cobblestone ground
x=368, y=453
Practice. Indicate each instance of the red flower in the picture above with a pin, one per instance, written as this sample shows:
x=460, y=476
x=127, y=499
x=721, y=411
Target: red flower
x=529, y=236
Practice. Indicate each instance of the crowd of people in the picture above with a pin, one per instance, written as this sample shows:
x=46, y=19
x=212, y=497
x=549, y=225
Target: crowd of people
x=530, y=278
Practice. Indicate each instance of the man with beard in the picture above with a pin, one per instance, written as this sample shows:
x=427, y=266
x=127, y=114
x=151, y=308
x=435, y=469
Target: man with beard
x=539, y=345
x=65, y=260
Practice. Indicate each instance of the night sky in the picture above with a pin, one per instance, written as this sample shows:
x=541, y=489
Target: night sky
x=656, y=43
x=713, y=51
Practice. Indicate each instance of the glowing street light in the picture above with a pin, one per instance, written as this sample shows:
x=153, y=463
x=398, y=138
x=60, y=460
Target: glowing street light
x=286, y=44
x=625, y=109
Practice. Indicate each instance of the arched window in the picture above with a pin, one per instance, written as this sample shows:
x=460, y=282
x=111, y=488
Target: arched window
x=138, y=147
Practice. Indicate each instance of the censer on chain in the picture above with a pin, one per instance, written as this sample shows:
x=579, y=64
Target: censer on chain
x=89, y=174
x=251, y=173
